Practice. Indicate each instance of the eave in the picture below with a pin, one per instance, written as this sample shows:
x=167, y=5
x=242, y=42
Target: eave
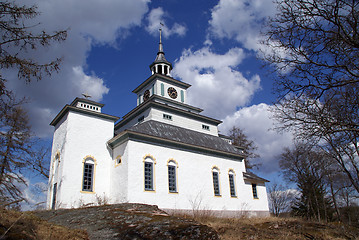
x=151, y=103
x=68, y=108
x=131, y=135
x=164, y=78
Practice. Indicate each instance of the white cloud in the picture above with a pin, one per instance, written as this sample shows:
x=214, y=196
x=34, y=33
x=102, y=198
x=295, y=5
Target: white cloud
x=241, y=20
x=217, y=86
x=88, y=22
x=156, y=17
x=258, y=124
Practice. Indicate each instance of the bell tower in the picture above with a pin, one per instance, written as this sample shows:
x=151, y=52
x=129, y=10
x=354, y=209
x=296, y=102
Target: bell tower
x=161, y=65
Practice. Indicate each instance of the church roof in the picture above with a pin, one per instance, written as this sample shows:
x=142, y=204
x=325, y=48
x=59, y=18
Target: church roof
x=86, y=101
x=158, y=132
x=252, y=177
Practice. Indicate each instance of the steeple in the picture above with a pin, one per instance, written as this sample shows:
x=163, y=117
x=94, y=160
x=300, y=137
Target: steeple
x=161, y=65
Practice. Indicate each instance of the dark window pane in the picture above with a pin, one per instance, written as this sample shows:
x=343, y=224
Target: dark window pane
x=254, y=189
x=231, y=185
x=148, y=176
x=172, y=179
x=88, y=177
x=216, y=184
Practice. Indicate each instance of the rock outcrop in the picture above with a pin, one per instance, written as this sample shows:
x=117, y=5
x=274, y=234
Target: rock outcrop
x=129, y=221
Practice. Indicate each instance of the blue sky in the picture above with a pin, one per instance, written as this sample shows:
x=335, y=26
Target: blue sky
x=213, y=45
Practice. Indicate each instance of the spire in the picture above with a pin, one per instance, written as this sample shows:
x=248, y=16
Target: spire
x=161, y=65
x=160, y=48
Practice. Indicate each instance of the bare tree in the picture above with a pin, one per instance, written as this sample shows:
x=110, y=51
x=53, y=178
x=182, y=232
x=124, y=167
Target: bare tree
x=315, y=49
x=16, y=37
x=18, y=150
x=240, y=139
x=280, y=199
x=307, y=167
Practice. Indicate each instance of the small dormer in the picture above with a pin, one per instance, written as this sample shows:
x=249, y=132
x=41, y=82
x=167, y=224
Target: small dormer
x=161, y=65
x=87, y=104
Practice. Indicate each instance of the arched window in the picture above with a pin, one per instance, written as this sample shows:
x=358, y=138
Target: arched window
x=172, y=176
x=215, y=175
x=232, y=185
x=55, y=175
x=88, y=174
x=148, y=166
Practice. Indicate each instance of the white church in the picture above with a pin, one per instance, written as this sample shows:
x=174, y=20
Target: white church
x=163, y=152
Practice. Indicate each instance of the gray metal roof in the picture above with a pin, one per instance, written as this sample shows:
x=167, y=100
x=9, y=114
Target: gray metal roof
x=186, y=136
x=252, y=177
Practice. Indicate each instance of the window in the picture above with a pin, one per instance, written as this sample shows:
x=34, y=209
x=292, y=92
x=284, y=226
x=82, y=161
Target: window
x=215, y=175
x=182, y=96
x=172, y=176
x=54, y=191
x=231, y=184
x=166, y=116
x=140, y=119
x=205, y=127
x=159, y=69
x=254, y=190
x=148, y=176
x=118, y=160
x=88, y=174
x=148, y=166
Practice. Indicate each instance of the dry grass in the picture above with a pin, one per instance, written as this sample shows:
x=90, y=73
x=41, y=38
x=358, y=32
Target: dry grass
x=279, y=228
x=24, y=225
x=276, y=228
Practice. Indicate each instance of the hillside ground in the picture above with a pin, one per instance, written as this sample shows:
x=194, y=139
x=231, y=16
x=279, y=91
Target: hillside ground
x=25, y=225
x=279, y=228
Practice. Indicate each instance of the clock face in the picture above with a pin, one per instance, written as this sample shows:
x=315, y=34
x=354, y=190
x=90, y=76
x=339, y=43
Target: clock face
x=146, y=95
x=172, y=92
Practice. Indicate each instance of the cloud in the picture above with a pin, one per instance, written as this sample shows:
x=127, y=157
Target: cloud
x=241, y=20
x=217, y=86
x=258, y=125
x=88, y=22
x=156, y=17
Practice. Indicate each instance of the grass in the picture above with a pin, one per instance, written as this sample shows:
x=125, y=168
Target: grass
x=279, y=228
x=24, y=225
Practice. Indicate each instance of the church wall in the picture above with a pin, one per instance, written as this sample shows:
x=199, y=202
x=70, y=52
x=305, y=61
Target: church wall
x=56, y=167
x=184, y=122
x=158, y=90
x=86, y=136
x=194, y=181
x=134, y=121
x=119, y=174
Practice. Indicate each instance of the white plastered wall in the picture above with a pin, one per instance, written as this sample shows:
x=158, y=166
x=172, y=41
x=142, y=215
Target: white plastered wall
x=194, y=181
x=86, y=135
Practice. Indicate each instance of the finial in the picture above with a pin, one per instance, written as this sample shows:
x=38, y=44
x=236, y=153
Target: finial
x=86, y=95
x=160, y=47
x=162, y=25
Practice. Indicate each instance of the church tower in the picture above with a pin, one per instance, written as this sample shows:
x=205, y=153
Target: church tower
x=161, y=65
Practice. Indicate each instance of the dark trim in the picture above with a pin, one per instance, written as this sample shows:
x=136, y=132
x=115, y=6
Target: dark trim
x=251, y=177
x=177, y=103
x=86, y=101
x=151, y=103
x=131, y=135
x=164, y=78
x=68, y=108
